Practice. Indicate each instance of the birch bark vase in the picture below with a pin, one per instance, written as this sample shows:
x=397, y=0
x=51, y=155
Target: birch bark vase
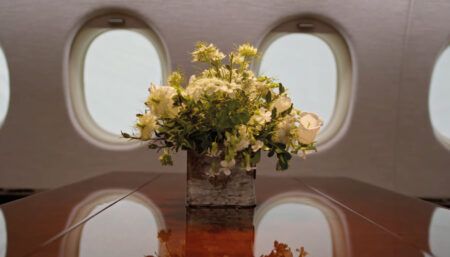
x=235, y=190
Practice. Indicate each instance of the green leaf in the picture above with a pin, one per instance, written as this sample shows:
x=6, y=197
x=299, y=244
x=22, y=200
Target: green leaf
x=274, y=113
x=281, y=88
x=125, y=135
x=268, y=97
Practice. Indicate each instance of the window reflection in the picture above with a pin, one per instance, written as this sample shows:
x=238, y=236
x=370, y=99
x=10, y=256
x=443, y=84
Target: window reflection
x=298, y=219
x=439, y=232
x=294, y=224
x=128, y=227
x=3, y=235
x=128, y=224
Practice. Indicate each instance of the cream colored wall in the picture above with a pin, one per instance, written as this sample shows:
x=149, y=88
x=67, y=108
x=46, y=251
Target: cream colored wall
x=387, y=139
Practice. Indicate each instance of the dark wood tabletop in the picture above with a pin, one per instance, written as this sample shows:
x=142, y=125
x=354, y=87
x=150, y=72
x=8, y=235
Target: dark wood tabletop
x=144, y=214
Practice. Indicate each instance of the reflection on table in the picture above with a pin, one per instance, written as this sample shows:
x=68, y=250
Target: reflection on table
x=321, y=217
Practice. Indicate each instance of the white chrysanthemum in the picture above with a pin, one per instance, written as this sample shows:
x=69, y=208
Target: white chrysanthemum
x=309, y=127
x=282, y=103
x=161, y=101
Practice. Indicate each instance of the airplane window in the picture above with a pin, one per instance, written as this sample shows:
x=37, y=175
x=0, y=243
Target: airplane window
x=313, y=62
x=439, y=104
x=307, y=67
x=119, y=67
x=112, y=62
x=4, y=87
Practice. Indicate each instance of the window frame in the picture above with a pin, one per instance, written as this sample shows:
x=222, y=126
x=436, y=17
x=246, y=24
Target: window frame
x=443, y=139
x=7, y=88
x=344, y=67
x=85, y=35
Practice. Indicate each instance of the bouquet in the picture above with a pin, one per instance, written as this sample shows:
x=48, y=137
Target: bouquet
x=227, y=112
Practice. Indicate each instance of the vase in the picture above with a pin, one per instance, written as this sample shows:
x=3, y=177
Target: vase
x=234, y=190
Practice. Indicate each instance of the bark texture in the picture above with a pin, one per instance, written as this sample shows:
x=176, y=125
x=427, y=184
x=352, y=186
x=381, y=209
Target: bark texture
x=235, y=190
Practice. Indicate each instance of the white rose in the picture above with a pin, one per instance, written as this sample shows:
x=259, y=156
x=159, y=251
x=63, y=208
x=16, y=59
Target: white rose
x=282, y=103
x=309, y=127
x=161, y=101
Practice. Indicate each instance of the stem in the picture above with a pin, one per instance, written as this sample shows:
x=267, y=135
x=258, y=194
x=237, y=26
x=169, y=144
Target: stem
x=231, y=67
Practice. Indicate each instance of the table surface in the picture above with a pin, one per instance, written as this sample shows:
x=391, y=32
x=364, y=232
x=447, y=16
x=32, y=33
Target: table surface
x=131, y=214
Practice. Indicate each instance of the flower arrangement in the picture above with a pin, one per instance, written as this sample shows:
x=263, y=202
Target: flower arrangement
x=227, y=112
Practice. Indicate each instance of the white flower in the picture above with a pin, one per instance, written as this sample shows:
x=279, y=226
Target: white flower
x=257, y=145
x=247, y=50
x=243, y=138
x=309, y=127
x=226, y=166
x=261, y=117
x=283, y=130
x=214, y=151
x=208, y=86
x=282, y=103
x=161, y=101
x=146, y=124
x=206, y=53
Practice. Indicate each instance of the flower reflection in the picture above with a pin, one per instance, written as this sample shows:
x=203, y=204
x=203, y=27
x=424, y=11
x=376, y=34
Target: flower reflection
x=283, y=250
x=279, y=249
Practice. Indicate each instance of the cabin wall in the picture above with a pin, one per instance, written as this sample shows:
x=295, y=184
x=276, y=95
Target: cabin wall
x=387, y=138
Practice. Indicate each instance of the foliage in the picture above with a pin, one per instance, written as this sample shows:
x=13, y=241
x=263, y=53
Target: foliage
x=227, y=112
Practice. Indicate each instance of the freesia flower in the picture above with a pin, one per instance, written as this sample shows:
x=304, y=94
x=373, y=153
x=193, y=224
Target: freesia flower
x=146, y=125
x=257, y=145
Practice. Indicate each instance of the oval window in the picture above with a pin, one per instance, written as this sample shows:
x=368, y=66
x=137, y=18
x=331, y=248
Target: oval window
x=4, y=87
x=294, y=224
x=118, y=69
x=127, y=224
x=313, y=62
x=439, y=104
x=114, y=59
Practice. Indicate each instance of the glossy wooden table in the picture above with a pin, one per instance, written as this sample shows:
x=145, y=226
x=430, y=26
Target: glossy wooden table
x=120, y=214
